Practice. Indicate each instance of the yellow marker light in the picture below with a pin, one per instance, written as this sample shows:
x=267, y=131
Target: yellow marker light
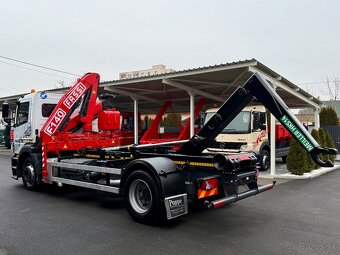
x=32, y=91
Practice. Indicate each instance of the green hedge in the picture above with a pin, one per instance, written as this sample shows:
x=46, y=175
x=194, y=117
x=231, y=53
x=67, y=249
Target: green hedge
x=297, y=160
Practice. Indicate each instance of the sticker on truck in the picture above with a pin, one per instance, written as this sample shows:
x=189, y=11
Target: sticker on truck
x=176, y=206
x=74, y=95
x=297, y=133
x=55, y=122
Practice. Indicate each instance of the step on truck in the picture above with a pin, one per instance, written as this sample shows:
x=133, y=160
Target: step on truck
x=249, y=130
x=156, y=180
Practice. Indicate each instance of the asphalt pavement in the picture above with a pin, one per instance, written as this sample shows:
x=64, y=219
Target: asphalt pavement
x=297, y=217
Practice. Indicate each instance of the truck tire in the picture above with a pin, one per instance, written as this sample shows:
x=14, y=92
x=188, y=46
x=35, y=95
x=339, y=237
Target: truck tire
x=29, y=174
x=142, y=197
x=265, y=160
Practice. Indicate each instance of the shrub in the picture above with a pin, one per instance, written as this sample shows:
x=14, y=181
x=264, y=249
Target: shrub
x=330, y=144
x=297, y=158
x=322, y=138
x=328, y=117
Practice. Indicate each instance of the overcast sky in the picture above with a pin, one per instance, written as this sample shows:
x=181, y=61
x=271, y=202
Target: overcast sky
x=298, y=39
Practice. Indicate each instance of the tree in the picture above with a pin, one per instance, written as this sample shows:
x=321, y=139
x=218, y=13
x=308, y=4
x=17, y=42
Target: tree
x=297, y=158
x=60, y=84
x=330, y=144
x=147, y=122
x=171, y=120
x=328, y=117
x=333, y=87
x=322, y=137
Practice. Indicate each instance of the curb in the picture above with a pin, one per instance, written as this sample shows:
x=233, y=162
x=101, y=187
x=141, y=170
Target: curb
x=313, y=174
x=6, y=152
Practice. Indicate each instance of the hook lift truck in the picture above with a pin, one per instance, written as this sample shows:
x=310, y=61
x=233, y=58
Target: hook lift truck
x=157, y=180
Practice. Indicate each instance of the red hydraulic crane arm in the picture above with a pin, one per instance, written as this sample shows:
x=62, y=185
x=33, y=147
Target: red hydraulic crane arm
x=86, y=86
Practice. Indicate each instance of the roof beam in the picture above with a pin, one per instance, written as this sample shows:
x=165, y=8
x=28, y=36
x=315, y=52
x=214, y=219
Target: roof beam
x=201, y=82
x=275, y=82
x=234, y=81
x=132, y=95
x=192, y=90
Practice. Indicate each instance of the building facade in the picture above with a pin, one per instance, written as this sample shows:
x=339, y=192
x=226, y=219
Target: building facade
x=155, y=70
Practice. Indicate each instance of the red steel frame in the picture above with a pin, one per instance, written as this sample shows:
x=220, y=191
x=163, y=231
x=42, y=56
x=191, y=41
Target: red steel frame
x=152, y=134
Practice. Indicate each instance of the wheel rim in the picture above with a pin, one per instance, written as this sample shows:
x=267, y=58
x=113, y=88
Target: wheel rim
x=140, y=196
x=265, y=161
x=28, y=175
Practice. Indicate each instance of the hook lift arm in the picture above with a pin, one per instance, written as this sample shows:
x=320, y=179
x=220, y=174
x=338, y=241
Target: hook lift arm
x=256, y=89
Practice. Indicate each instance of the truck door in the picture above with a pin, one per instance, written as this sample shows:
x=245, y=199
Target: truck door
x=22, y=125
x=258, y=129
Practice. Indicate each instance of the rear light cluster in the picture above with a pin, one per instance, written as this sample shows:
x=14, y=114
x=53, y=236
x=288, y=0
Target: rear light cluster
x=209, y=184
x=208, y=187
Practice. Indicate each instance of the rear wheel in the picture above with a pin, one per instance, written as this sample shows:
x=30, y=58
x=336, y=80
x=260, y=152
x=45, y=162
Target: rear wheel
x=142, y=198
x=29, y=175
x=265, y=160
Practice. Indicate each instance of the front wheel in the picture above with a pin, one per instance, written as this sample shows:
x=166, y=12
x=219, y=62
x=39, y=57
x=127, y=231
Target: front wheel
x=265, y=160
x=142, y=198
x=29, y=175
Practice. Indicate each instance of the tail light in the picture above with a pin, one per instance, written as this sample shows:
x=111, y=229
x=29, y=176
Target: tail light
x=207, y=184
x=207, y=187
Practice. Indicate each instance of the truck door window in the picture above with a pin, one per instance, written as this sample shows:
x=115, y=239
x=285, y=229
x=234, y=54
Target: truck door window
x=259, y=121
x=46, y=109
x=22, y=113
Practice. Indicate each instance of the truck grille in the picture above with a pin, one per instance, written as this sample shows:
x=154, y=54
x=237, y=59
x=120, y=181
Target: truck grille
x=227, y=145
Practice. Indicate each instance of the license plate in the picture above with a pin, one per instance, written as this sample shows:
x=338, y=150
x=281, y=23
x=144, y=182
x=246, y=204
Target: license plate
x=176, y=206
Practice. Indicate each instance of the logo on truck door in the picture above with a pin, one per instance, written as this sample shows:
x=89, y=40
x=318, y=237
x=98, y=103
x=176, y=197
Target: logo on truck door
x=74, y=95
x=55, y=121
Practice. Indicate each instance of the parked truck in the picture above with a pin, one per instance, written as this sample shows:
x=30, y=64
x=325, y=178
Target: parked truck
x=249, y=130
x=156, y=180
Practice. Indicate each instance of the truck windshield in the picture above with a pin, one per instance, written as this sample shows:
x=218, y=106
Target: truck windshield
x=239, y=125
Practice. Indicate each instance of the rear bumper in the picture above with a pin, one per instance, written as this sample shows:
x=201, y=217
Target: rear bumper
x=230, y=199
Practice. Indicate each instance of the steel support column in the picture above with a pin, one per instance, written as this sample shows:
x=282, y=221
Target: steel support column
x=316, y=118
x=135, y=119
x=192, y=114
x=272, y=143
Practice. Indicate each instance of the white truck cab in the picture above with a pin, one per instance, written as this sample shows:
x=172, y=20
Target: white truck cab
x=31, y=113
x=248, y=131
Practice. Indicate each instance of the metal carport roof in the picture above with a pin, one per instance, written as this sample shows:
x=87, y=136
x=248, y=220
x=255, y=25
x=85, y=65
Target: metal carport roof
x=215, y=83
